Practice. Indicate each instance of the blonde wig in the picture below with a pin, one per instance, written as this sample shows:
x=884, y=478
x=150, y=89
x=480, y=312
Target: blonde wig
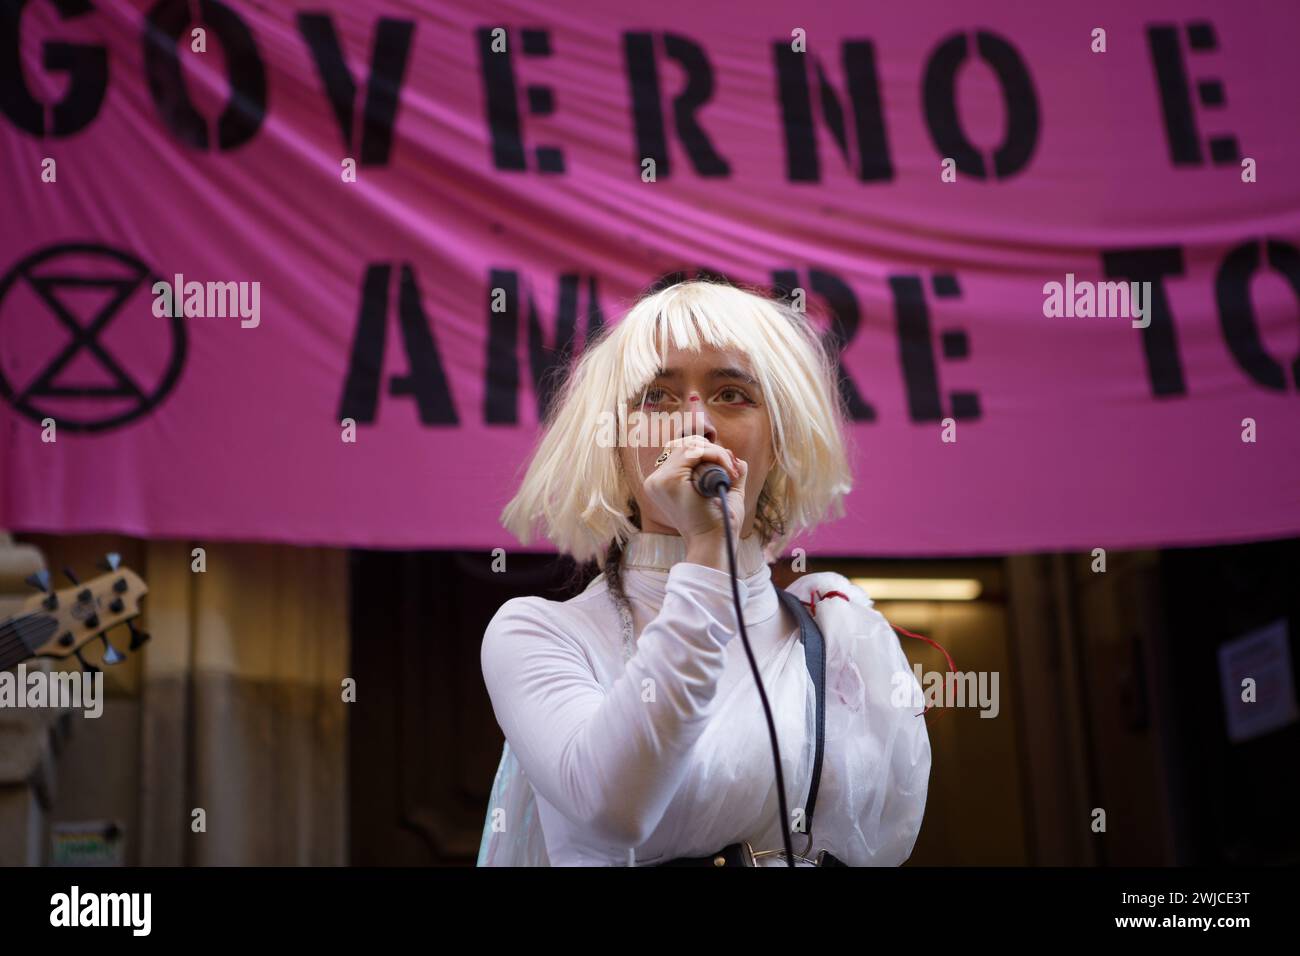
x=575, y=484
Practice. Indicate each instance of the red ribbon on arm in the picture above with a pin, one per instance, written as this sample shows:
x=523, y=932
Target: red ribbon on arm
x=952, y=668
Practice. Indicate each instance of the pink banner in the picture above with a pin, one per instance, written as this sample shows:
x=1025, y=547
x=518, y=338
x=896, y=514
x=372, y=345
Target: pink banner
x=1058, y=249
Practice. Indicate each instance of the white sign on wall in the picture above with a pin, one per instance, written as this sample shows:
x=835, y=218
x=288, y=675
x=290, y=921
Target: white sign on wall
x=1264, y=657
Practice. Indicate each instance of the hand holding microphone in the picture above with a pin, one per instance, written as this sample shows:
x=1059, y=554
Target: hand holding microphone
x=679, y=485
x=710, y=480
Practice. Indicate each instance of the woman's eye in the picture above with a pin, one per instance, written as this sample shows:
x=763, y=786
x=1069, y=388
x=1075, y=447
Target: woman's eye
x=659, y=396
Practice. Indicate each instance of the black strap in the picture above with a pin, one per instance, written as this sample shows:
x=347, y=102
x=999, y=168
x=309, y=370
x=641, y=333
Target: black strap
x=814, y=652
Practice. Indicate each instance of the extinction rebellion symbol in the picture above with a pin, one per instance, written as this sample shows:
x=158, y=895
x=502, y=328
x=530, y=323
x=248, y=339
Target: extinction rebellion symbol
x=78, y=339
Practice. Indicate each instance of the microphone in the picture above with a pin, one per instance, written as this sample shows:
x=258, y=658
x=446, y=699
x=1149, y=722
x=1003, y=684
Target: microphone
x=710, y=480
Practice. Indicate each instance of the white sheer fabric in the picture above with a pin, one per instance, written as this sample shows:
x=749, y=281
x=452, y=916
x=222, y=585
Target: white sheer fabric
x=595, y=772
x=512, y=806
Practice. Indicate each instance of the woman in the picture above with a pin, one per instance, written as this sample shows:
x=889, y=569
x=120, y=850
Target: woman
x=634, y=730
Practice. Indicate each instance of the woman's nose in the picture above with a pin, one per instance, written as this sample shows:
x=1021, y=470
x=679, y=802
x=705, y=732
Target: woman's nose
x=696, y=419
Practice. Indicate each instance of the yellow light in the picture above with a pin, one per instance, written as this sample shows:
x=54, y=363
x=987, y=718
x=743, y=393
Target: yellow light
x=920, y=589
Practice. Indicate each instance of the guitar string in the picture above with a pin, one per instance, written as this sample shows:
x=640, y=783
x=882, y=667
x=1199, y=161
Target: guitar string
x=23, y=628
x=19, y=632
x=27, y=625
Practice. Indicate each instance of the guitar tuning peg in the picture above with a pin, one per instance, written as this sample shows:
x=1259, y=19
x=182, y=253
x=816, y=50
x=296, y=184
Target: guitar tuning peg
x=70, y=575
x=40, y=580
x=111, y=561
x=86, y=666
x=111, y=654
x=137, y=637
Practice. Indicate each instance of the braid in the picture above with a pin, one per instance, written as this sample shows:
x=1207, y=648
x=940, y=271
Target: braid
x=613, y=567
x=769, y=521
x=613, y=563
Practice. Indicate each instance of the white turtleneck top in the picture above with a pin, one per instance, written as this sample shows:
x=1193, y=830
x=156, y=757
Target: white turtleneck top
x=667, y=754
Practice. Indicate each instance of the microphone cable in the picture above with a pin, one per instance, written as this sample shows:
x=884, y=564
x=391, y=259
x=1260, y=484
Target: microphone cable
x=712, y=482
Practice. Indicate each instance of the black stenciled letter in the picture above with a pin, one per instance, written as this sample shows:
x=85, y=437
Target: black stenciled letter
x=86, y=66
x=243, y=115
x=845, y=318
x=501, y=100
x=1018, y=97
x=1159, y=340
x=1176, y=96
x=426, y=381
x=547, y=363
x=802, y=163
x=647, y=106
x=916, y=349
x=383, y=88
x=1237, y=315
